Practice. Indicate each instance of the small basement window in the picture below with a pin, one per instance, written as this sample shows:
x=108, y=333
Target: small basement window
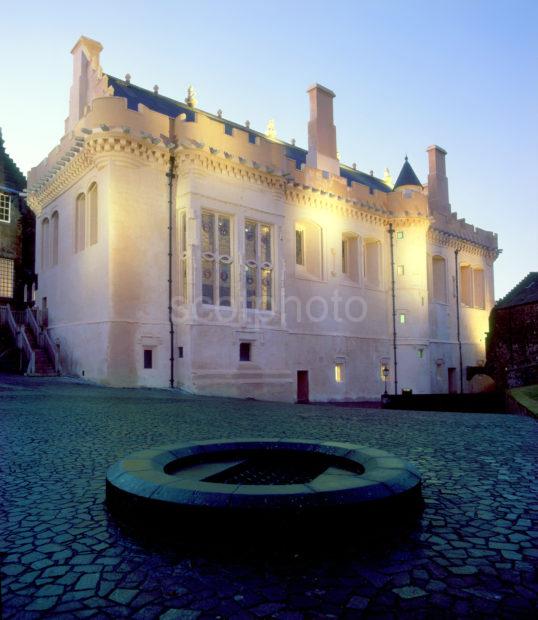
x=244, y=351
x=148, y=358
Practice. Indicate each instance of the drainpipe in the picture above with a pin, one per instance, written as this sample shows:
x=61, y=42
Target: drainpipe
x=456, y=252
x=171, y=176
x=393, y=286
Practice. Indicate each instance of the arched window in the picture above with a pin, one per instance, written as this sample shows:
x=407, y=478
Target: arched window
x=92, y=199
x=372, y=262
x=80, y=223
x=45, y=248
x=439, y=279
x=55, y=220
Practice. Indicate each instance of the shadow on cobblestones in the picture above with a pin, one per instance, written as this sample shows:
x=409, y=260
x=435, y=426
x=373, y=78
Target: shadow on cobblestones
x=472, y=554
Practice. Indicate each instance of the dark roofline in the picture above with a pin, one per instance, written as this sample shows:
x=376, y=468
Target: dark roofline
x=176, y=108
x=518, y=295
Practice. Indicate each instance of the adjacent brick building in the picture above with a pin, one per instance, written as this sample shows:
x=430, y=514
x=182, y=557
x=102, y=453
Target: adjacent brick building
x=17, y=235
x=512, y=344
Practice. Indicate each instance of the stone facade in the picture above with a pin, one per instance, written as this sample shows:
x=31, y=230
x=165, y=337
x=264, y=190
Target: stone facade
x=17, y=235
x=280, y=279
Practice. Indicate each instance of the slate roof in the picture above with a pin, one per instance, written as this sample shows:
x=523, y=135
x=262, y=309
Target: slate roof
x=136, y=95
x=407, y=176
x=526, y=292
x=11, y=178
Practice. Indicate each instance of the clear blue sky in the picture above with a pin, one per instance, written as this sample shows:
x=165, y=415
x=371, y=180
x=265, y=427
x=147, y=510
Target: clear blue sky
x=407, y=74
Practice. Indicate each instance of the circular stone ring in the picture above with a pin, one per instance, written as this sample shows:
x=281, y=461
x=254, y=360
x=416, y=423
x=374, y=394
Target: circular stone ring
x=224, y=484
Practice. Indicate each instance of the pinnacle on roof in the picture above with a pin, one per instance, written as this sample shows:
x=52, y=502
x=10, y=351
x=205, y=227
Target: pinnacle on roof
x=407, y=176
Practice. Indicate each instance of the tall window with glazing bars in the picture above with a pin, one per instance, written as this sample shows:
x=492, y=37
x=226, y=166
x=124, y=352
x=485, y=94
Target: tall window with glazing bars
x=217, y=259
x=258, y=265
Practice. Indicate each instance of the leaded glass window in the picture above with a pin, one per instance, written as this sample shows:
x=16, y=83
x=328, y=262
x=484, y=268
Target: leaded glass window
x=7, y=275
x=216, y=259
x=258, y=265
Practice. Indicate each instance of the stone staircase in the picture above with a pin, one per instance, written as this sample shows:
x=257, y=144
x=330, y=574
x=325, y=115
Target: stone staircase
x=44, y=367
x=39, y=356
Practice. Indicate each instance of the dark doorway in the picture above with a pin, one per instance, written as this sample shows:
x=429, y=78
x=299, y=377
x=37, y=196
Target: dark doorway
x=452, y=388
x=302, y=386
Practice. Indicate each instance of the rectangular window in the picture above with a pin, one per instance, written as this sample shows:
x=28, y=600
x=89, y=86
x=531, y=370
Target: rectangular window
x=399, y=234
x=7, y=276
x=258, y=265
x=252, y=138
x=401, y=270
x=228, y=129
x=217, y=259
x=299, y=246
x=402, y=318
x=479, y=290
x=244, y=351
x=148, y=358
x=465, y=284
x=183, y=254
x=372, y=262
x=439, y=287
x=180, y=352
x=5, y=208
x=350, y=257
x=339, y=372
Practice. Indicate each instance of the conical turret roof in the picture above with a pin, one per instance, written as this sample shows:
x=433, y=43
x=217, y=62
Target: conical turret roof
x=407, y=176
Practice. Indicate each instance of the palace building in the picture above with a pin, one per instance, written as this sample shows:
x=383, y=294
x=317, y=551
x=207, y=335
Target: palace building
x=179, y=248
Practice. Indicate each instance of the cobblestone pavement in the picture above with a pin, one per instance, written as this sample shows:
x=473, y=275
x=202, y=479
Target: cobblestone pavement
x=474, y=552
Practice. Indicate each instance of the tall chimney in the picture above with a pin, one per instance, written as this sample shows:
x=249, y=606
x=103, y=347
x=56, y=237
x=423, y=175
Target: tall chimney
x=85, y=66
x=321, y=131
x=437, y=180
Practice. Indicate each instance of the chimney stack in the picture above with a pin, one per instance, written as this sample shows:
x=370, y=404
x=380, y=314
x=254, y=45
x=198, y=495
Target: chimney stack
x=437, y=181
x=321, y=131
x=85, y=74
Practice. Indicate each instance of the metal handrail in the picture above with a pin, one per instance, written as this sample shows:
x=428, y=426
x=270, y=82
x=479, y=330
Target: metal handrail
x=30, y=321
x=28, y=351
x=11, y=323
x=51, y=350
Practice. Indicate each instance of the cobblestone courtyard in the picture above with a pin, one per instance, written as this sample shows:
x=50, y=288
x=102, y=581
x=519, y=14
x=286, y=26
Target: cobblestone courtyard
x=474, y=553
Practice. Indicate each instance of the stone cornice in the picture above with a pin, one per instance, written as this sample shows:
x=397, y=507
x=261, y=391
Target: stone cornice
x=226, y=166
x=58, y=181
x=450, y=239
x=105, y=144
